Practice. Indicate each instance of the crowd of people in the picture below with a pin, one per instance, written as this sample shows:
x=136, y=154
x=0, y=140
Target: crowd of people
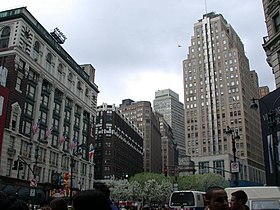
x=216, y=198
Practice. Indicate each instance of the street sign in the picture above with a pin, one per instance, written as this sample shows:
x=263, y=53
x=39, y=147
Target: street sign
x=234, y=167
x=32, y=192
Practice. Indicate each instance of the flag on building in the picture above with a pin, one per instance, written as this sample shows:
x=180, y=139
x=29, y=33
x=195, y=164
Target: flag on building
x=35, y=127
x=91, y=151
x=73, y=144
x=48, y=133
x=61, y=140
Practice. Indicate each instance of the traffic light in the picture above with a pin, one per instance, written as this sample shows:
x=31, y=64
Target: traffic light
x=165, y=172
x=20, y=166
x=15, y=167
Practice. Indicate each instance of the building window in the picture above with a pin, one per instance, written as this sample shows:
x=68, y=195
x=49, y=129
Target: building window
x=32, y=76
x=276, y=22
x=37, y=46
x=60, y=71
x=79, y=85
x=28, y=109
x=70, y=79
x=77, y=121
x=16, y=113
x=5, y=36
x=48, y=62
x=55, y=124
x=43, y=117
x=14, y=122
x=19, y=81
x=203, y=167
x=219, y=167
x=54, y=140
x=56, y=108
x=44, y=100
x=30, y=92
x=26, y=127
x=67, y=115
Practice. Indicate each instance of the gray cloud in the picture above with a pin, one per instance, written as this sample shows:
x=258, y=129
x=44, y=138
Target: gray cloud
x=136, y=40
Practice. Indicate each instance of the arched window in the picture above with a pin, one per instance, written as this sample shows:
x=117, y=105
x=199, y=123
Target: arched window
x=60, y=68
x=49, y=61
x=59, y=71
x=49, y=58
x=70, y=77
x=79, y=86
x=86, y=92
x=36, y=50
x=5, y=36
x=37, y=47
x=70, y=80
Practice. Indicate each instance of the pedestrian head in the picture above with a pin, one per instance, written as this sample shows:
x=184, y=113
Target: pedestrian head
x=238, y=199
x=216, y=198
x=11, y=203
x=103, y=188
x=58, y=204
x=94, y=199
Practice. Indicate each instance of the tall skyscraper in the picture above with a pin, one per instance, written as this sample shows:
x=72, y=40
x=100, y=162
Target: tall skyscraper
x=167, y=103
x=218, y=88
x=271, y=42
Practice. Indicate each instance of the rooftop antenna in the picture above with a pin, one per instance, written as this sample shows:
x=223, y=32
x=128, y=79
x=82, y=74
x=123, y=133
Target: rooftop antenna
x=205, y=6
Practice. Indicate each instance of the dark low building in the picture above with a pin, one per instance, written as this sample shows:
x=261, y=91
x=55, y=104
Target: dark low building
x=118, y=145
x=270, y=121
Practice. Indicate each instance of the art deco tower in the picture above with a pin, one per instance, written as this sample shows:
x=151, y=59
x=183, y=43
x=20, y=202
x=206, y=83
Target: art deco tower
x=218, y=87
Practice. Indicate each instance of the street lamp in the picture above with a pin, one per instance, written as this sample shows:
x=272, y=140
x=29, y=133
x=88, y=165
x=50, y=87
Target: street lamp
x=72, y=164
x=234, y=164
x=36, y=155
x=76, y=150
x=272, y=123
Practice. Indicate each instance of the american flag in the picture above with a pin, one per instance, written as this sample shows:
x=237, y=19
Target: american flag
x=61, y=139
x=91, y=153
x=73, y=144
x=35, y=127
x=48, y=133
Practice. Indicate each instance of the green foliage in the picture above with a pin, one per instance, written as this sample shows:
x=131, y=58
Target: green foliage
x=152, y=187
x=201, y=181
x=142, y=178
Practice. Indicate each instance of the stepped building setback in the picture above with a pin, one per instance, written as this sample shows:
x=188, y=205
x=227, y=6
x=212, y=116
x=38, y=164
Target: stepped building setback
x=218, y=88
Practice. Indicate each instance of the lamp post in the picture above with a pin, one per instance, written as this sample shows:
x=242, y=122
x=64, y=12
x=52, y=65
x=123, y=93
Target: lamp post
x=76, y=150
x=72, y=164
x=234, y=136
x=36, y=156
x=272, y=123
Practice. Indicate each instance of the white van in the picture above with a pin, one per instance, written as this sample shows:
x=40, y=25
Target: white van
x=187, y=199
x=260, y=197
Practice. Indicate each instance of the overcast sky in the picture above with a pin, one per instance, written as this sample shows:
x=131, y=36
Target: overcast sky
x=133, y=44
